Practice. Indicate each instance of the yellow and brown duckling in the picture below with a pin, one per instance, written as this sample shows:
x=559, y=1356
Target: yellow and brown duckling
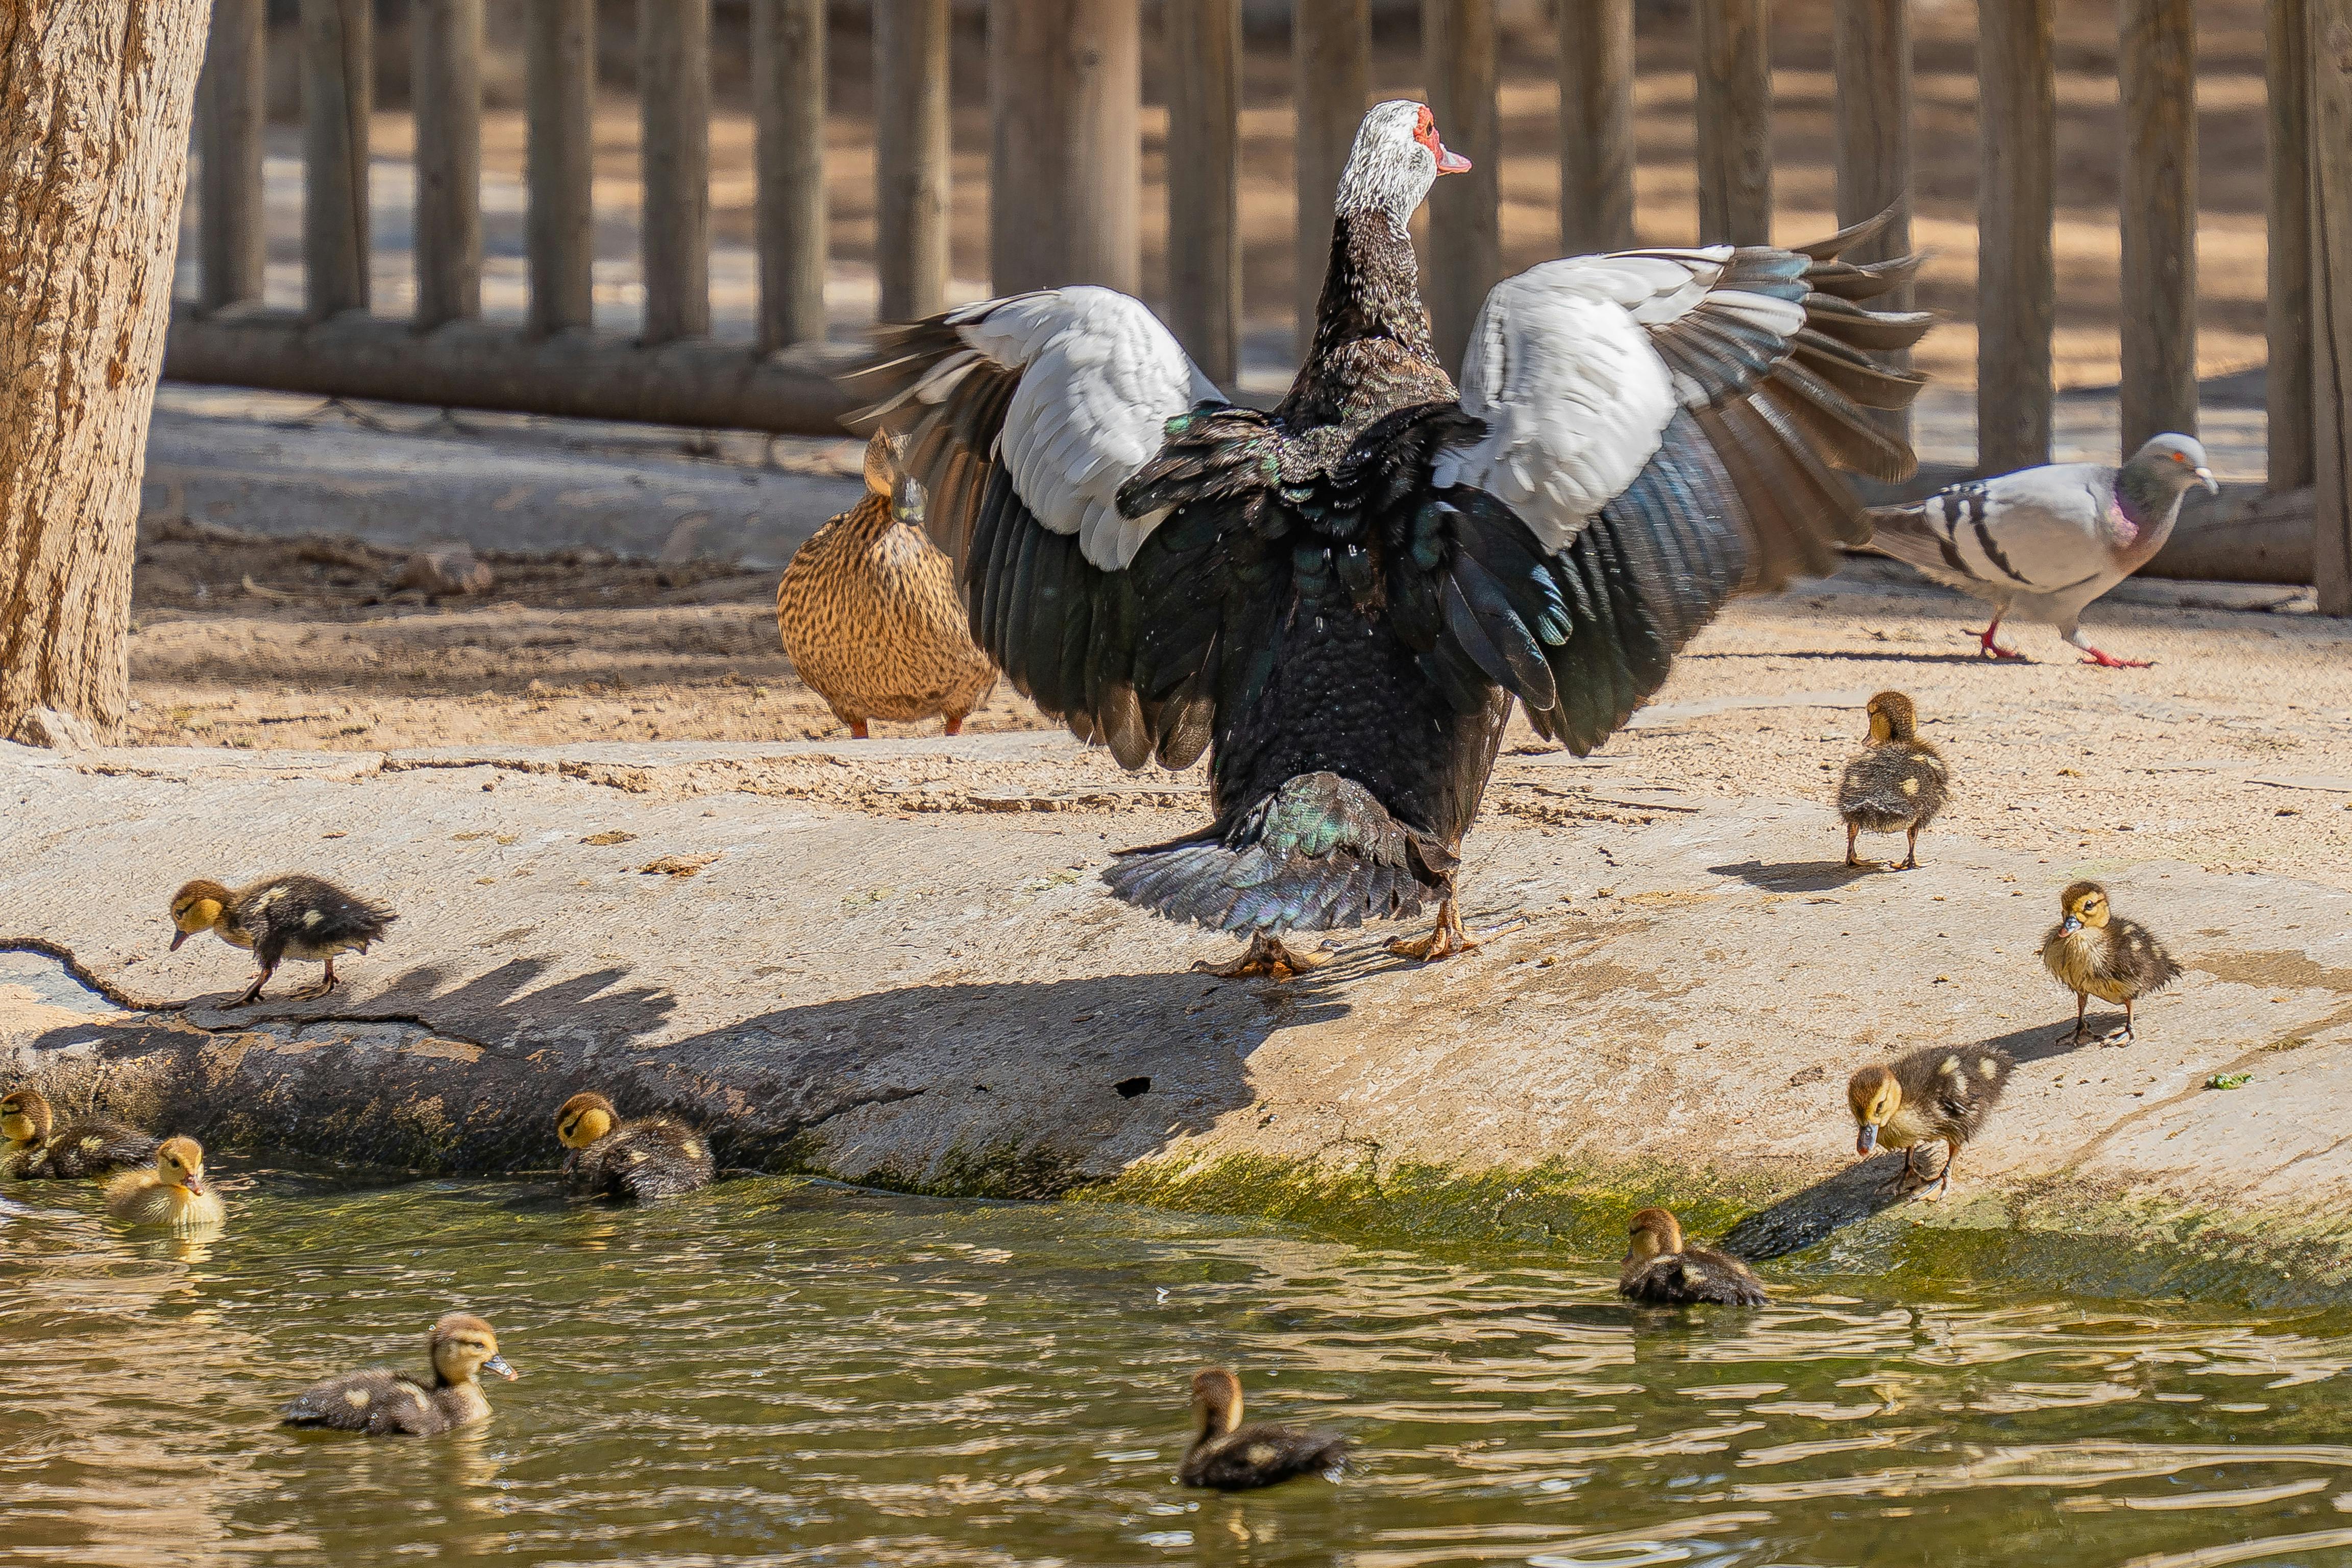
x=2094, y=951
x=292, y=915
x=1897, y=783
x=651, y=1157
x=1660, y=1271
x=37, y=1150
x=381, y=1402
x=869, y=613
x=174, y=1193
x=1232, y=1458
x=1938, y=1095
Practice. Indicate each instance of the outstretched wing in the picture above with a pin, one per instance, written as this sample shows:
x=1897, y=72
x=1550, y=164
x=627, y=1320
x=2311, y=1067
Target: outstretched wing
x=1654, y=431
x=1023, y=417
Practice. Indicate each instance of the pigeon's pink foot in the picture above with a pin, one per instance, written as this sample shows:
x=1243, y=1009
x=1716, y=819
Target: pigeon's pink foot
x=2109, y=661
x=1990, y=649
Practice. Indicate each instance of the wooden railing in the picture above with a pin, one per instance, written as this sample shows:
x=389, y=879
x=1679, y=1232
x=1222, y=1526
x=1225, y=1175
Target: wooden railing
x=1066, y=189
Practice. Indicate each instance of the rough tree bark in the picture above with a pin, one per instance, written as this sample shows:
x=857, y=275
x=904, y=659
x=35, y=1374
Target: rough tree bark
x=95, y=102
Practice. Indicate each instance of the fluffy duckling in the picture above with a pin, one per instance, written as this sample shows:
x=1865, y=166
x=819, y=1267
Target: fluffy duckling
x=1938, y=1094
x=869, y=613
x=172, y=1195
x=1232, y=1457
x=288, y=916
x=1897, y=783
x=2094, y=952
x=381, y=1402
x=652, y=1157
x=1660, y=1271
x=89, y=1146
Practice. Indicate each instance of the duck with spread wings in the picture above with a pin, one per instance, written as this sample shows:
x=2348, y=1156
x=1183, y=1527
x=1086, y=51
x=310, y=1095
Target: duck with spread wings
x=1337, y=599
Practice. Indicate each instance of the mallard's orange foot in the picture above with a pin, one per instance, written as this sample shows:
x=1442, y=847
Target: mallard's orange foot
x=1268, y=958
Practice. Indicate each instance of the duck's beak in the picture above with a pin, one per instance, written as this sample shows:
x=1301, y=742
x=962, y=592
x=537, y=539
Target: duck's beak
x=195, y=1184
x=498, y=1364
x=1868, y=1140
x=1449, y=161
x=2212, y=484
x=177, y=938
x=2069, y=925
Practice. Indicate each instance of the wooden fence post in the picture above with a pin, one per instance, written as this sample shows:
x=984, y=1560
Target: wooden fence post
x=2330, y=35
x=1735, y=122
x=1596, y=126
x=445, y=94
x=2017, y=132
x=1066, y=155
x=560, y=223
x=338, y=95
x=230, y=100
x=1330, y=77
x=1204, y=243
x=2287, y=376
x=2158, y=65
x=788, y=100
x=1873, y=56
x=910, y=162
x=1465, y=211
x=674, y=98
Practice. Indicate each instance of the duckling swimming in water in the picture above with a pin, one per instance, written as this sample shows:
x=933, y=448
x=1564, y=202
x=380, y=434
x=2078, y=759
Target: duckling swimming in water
x=88, y=1146
x=2094, y=952
x=652, y=1157
x=1232, y=1458
x=1937, y=1094
x=1897, y=783
x=381, y=1402
x=1660, y=1271
x=292, y=915
x=172, y=1195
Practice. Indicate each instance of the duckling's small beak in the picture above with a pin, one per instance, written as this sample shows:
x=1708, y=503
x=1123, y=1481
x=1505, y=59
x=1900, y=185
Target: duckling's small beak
x=2069, y=925
x=177, y=938
x=195, y=1184
x=2212, y=484
x=1868, y=1140
x=498, y=1364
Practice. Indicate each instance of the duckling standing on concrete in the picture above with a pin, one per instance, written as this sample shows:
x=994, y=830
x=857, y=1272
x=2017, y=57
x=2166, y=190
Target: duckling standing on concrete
x=1938, y=1094
x=87, y=1146
x=1897, y=783
x=381, y=1402
x=1232, y=1458
x=1660, y=1271
x=652, y=1157
x=172, y=1195
x=288, y=916
x=2094, y=952
x=869, y=614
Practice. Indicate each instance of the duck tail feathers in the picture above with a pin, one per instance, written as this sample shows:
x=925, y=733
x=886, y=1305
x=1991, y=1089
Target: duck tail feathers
x=1317, y=853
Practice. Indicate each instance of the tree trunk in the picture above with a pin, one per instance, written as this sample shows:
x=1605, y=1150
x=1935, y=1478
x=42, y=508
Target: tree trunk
x=94, y=115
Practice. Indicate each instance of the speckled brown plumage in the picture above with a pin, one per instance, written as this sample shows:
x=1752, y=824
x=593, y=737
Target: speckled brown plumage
x=869, y=613
x=1941, y=1094
x=2094, y=952
x=1660, y=1271
x=1898, y=784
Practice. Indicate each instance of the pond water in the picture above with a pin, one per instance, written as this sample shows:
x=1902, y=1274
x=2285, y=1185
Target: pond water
x=787, y=1372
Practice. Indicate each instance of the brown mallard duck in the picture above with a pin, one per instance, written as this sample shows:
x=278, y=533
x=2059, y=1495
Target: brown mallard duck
x=173, y=1194
x=869, y=614
x=1897, y=783
x=1232, y=1458
x=1938, y=1095
x=381, y=1402
x=37, y=1150
x=292, y=915
x=1660, y=1271
x=2094, y=952
x=651, y=1157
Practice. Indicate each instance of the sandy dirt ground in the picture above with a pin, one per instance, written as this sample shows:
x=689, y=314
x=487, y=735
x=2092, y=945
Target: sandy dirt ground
x=2234, y=752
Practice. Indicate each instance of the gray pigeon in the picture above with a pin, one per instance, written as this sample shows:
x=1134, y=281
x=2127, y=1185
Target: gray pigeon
x=2044, y=543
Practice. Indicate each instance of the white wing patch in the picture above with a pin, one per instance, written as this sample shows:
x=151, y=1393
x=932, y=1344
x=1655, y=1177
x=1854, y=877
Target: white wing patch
x=1100, y=379
x=1574, y=395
